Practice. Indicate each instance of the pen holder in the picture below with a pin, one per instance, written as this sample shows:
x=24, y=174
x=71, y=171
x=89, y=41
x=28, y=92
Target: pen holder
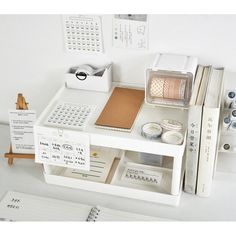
x=100, y=82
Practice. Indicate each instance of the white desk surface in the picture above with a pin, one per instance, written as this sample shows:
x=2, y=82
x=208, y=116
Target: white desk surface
x=27, y=177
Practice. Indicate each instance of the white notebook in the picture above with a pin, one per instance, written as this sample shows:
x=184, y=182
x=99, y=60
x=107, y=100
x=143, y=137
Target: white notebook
x=17, y=206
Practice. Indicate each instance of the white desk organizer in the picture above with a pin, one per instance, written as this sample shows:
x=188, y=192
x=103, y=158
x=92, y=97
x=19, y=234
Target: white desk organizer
x=130, y=144
x=96, y=83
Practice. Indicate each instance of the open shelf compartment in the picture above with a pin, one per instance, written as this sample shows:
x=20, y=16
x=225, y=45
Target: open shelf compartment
x=131, y=160
x=114, y=185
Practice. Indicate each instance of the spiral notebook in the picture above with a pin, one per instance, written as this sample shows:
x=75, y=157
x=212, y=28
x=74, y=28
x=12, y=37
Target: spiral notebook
x=17, y=206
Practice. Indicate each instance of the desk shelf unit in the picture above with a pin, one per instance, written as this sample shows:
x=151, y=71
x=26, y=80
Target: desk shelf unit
x=129, y=144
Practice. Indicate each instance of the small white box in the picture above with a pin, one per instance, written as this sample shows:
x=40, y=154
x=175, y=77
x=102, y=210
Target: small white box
x=151, y=159
x=169, y=81
x=96, y=83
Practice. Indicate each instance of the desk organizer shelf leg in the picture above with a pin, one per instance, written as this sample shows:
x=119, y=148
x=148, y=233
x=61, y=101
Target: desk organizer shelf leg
x=176, y=175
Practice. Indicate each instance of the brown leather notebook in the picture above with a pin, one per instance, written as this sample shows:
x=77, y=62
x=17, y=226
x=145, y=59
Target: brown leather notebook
x=121, y=109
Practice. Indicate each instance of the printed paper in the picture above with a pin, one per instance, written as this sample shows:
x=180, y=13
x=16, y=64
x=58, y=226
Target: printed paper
x=130, y=31
x=21, y=128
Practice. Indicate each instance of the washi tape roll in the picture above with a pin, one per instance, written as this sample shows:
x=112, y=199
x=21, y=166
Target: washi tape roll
x=151, y=130
x=156, y=87
x=172, y=137
x=169, y=88
x=168, y=124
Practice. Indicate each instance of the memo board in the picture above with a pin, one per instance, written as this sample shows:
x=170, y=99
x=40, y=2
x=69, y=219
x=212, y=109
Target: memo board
x=21, y=104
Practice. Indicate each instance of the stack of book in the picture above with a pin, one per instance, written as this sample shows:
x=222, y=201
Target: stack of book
x=203, y=127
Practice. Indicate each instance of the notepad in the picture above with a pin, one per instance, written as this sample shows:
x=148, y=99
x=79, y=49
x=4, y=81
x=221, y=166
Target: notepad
x=121, y=109
x=17, y=206
x=101, y=161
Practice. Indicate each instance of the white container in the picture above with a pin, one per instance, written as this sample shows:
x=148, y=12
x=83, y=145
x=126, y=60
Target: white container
x=150, y=159
x=96, y=83
x=169, y=81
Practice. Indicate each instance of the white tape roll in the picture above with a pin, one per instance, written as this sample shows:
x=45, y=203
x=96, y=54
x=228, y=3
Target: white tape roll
x=83, y=71
x=172, y=137
x=168, y=124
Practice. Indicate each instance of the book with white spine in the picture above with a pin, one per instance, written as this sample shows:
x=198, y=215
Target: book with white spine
x=194, y=128
x=209, y=134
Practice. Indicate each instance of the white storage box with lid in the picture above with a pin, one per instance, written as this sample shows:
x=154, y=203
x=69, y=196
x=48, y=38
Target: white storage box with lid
x=169, y=81
x=132, y=141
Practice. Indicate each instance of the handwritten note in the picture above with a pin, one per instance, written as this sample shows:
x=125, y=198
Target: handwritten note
x=63, y=148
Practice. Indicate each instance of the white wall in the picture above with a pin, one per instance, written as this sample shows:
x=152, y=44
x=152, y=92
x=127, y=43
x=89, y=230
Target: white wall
x=33, y=59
